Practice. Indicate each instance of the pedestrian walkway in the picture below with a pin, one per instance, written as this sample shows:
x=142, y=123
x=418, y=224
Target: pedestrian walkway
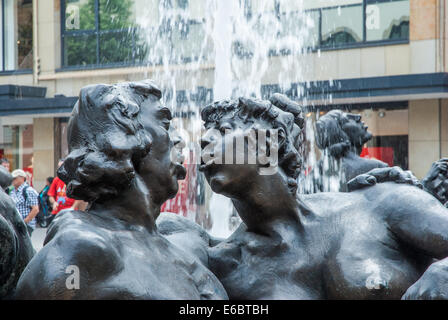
x=38, y=238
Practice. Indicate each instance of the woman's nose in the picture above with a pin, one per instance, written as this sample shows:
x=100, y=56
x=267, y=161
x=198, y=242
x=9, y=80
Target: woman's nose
x=178, y=142
x=205, y=141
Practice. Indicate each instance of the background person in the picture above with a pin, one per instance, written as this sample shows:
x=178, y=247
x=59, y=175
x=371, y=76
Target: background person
x=5, y=163
x=58, y=197
x=25, y=198
x=44, y=217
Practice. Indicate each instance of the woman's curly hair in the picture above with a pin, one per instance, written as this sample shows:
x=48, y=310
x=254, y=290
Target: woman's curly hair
x=106, y=139
x=331, y=136
x=281, y=112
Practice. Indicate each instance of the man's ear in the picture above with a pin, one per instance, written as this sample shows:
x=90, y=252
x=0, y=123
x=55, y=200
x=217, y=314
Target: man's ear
x=281, y=138
x=275, y=140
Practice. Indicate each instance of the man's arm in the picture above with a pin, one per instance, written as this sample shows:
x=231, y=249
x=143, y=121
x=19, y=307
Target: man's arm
x=33, y=203
x=421, y=222
x=54, y=204
x=33, y=213
x=418, y=219
x=52, y=195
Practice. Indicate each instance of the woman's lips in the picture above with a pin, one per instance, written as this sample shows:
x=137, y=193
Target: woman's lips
x=180, y=171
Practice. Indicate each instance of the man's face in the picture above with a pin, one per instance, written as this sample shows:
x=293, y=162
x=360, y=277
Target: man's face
x=158, y=169
x=17, y=182
x=230, y=159
x=6, y=165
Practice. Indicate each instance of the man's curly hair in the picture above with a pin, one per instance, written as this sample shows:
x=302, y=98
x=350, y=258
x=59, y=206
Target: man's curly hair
x=281, y=112
x=106, y=140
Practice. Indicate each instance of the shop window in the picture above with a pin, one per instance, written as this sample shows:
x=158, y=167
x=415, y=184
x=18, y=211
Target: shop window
x=16, y=35
x=101, y=32
x=17, y=147
x=387, y=20
x=293, y=24
x=109, y=32
x=342, y=25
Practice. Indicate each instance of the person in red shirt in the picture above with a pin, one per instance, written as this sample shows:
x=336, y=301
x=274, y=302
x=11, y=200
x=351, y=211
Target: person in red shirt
x=58, y=196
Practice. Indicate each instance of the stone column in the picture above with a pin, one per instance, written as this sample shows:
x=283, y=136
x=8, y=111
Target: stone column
x=428, y=134
x=43, y=150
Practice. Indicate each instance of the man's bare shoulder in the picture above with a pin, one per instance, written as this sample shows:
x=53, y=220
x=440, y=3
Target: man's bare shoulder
x=82, y=235
x=70, y=243
x=395, y=200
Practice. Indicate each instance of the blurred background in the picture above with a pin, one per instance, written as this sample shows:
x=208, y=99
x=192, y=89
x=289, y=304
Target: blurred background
x=383, y=59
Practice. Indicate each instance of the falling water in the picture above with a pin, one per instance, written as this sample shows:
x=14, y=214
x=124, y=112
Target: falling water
x=214, y=49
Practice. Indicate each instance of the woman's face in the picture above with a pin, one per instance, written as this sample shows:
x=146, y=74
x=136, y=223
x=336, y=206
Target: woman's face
x=159, y=171
x=355, y=129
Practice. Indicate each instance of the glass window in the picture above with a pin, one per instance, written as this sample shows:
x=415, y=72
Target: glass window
x=80, y=15
x=16, y=38
x=103, y=32
x=16, y=145
x=342, y=25
x=80, y=50
x=119, y=46
x=387, y=20
x=318, y=4
x=294, y=23
x=116, y=14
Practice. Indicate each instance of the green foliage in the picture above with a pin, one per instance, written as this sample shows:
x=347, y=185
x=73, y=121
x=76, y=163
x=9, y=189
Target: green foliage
x=121, y=44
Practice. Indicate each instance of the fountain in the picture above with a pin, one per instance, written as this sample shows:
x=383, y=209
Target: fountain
x=372, y=243
x=234, y=48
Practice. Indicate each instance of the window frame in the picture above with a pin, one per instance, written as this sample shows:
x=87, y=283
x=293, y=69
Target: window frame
x=97, y=32
x=364, y=43
x=3, y=71
x=361, y=44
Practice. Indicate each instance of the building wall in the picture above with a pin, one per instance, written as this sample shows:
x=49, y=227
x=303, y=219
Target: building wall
x=43, y=165
x=427, y=134
x=425, y=53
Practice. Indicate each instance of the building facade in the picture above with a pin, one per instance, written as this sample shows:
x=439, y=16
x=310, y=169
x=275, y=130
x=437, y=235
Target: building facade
x=385, y=59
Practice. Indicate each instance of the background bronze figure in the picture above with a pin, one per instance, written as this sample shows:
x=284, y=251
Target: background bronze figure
x=120, y=163
x=374, y=243
x=341, y=137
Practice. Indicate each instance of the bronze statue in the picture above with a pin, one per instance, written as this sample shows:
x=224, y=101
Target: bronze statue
x=378, y=242
x=16, y=249
x=341, y=136
x=120, y=163
x=436, y=181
